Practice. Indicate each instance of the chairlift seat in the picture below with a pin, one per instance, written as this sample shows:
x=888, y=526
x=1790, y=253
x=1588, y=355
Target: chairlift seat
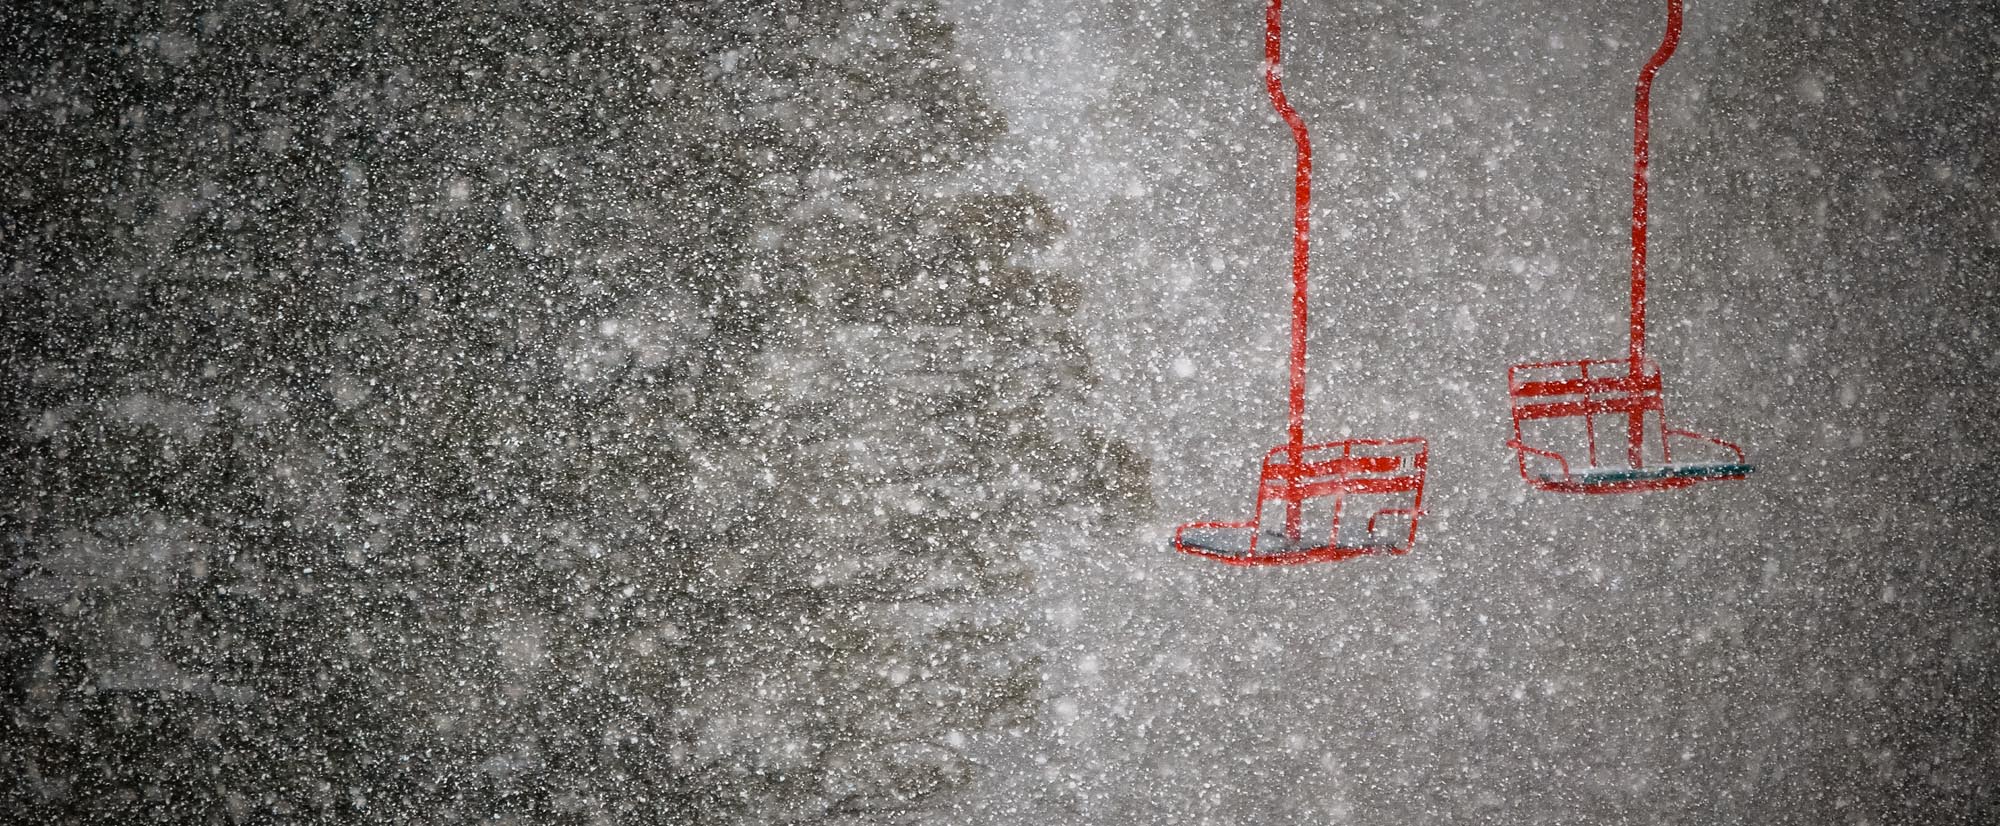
x=1316, y=513
x=1642, y=456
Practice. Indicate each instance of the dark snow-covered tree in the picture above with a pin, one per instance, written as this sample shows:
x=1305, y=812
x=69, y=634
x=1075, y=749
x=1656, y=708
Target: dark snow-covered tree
x=572, y=412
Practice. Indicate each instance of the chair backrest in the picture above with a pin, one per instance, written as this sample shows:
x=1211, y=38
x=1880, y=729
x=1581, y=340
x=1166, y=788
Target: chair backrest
x=1583, y=387
x=1349, y=466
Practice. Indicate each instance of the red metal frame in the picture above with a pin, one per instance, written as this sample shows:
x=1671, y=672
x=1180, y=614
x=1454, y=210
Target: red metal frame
x=1290, y=476
x=1559, y=390
x=1386, y=475
x=1573, y=391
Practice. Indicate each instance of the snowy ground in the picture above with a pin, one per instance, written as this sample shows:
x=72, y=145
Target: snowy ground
x=1814, y=644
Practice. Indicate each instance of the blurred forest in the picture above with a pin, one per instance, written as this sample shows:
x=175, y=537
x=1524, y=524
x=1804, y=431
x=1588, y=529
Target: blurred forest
x=542, y=412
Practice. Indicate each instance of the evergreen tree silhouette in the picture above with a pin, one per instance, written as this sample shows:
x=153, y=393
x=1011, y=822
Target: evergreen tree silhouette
x=565, y=412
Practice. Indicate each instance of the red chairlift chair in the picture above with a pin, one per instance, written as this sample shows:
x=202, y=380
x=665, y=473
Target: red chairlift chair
x=1326, y=501
x=1566, y=403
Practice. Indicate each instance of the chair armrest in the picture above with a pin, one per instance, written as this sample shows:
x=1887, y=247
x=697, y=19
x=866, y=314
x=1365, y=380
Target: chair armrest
x=1560, y=461
x=1707, y=438
x=1412, y=513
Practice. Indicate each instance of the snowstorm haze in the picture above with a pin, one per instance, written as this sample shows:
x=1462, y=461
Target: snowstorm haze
x=1814, y=644
x=775, y=412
